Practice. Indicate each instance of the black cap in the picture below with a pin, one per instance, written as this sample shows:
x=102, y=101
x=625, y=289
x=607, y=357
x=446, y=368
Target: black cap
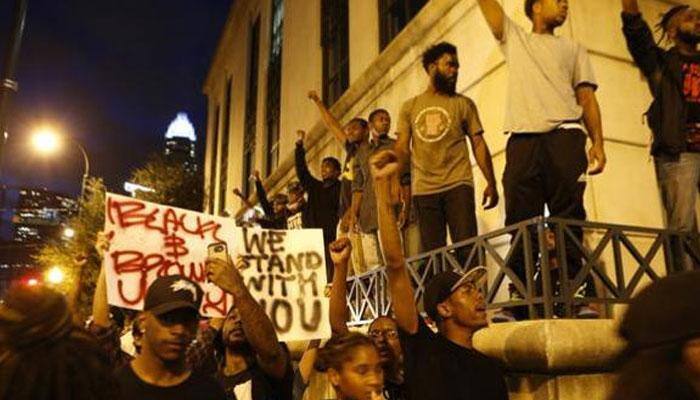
x=444, y=284
x=172, y=292
x=664, y=312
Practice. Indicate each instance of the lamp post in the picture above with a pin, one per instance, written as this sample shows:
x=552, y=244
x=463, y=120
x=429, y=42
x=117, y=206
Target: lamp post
x=47, y=140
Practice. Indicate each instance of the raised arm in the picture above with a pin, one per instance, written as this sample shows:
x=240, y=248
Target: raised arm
x=328, y=119
x=586, y=98
x=640, y=41
x=262, y=195
x=244, y=200
x=340, y=254
x=630, y=6
x=385, y=167
x=100, y=306
x=257, y=326
x=303, y=174
x=493, y=13
x=483, y=159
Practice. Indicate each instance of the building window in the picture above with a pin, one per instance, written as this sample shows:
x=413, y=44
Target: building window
x=274, y=82
x=214, y=159
x=251, y=108
x=394, y=15
x=334, y=41
x=223, y=179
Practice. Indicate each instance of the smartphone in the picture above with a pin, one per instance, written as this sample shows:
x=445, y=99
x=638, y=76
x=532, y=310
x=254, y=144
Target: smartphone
x=218, y=250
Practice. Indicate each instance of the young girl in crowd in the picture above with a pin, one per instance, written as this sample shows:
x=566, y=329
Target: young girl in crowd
x=353, y=366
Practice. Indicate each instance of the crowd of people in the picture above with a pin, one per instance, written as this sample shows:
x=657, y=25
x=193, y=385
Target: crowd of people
x=365, y=203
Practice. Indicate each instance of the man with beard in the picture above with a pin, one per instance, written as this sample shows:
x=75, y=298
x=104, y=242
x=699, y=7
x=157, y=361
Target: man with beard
x=432, y=128
x=443, y=365
x=253, y=365
x=551, y=96
x=674, y=116
x=383, y=330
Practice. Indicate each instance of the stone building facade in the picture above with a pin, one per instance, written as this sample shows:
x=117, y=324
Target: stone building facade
x=364, y=54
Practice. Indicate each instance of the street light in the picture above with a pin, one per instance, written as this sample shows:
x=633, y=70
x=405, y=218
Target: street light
x=55, y=275
x=47, y=140
x=69, y=233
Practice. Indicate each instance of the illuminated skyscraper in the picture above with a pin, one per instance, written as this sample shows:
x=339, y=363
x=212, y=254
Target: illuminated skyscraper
x=180, y=142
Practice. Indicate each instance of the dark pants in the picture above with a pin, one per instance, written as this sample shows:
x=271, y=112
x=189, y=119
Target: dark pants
x=454, y=208
x=546, y=169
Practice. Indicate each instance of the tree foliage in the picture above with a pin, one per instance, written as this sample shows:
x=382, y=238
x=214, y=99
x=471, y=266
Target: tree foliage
x=172, y=183
x=77, y=256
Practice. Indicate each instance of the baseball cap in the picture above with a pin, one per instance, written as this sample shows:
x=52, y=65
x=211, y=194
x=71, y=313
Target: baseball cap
x=445, y=283
x=172, y=292
x=664, y=312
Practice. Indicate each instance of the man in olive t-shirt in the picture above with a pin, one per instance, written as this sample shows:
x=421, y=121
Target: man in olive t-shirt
x=434, y=126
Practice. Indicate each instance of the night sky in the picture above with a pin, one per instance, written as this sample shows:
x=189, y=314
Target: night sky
x=112, y=75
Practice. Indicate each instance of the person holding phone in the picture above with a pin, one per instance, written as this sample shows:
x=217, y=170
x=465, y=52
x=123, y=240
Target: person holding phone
x=252, y=363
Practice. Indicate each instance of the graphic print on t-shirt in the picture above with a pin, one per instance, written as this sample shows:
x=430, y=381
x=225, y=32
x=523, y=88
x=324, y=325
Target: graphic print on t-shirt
x=691, y=90
x=432, y=124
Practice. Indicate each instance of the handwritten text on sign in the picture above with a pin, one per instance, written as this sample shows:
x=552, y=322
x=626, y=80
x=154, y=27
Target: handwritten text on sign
x=285, y=270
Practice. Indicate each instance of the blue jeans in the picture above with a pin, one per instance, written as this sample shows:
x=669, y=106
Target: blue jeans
x=679, y=181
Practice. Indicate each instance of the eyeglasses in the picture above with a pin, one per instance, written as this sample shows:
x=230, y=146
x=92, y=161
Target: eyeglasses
x=387, y=334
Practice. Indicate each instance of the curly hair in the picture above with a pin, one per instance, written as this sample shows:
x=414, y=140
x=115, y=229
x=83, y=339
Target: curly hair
x=44, y=355
x=434, y=52
x=339, y=349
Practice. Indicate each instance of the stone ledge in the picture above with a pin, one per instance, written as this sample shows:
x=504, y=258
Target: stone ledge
x=552, y=346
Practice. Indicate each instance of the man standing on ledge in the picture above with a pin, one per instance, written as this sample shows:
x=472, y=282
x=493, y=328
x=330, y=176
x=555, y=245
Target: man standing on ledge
x=551, y=96
x=432, y=128
x=674, y=115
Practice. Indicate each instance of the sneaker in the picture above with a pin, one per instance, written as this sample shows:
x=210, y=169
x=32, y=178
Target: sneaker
x=585, y=311
x=511, y=314
x=504, y=315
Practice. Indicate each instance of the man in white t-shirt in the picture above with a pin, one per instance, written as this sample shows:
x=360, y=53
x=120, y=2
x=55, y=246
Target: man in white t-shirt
x=550, y=106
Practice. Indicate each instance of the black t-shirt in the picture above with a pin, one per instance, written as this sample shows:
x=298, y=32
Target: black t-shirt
x=436, y=368
x=196, y=387
x=691, y=88
x=262, y=386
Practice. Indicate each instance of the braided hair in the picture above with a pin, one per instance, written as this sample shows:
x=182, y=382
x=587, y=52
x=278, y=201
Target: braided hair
x=44, y=355
x=666, y=19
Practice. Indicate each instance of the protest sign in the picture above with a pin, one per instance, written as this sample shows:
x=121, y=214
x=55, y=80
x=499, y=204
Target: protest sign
x=285, y=270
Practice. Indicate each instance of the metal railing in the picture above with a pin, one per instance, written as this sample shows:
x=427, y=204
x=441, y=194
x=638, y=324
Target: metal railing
x=556, y=258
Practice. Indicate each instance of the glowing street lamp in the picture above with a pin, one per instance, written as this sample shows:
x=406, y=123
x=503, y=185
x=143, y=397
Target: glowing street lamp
x=55, y=275
x=69, y=233
x=47, y=140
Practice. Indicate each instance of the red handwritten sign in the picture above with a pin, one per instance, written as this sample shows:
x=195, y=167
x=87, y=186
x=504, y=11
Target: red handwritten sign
x=150, y=240
x=286, y=269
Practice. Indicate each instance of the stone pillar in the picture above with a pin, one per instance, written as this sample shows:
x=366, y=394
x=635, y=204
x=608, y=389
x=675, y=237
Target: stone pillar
x=555, y=359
